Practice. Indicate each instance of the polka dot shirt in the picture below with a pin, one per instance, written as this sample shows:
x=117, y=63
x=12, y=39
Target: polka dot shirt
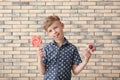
x=59, y=60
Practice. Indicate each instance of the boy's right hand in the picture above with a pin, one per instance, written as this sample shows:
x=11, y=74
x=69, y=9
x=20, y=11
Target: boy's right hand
x=40, y=54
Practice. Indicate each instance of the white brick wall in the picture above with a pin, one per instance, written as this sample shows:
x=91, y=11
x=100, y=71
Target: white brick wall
x=86, y=22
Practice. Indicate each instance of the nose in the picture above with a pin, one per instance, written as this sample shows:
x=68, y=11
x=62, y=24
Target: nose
x=54, y=31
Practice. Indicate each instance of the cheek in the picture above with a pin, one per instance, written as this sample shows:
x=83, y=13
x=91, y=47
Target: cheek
x=50, y=35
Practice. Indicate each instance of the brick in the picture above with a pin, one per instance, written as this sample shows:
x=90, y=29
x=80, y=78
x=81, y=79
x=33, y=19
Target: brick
x=28, y=7
x=104, y=79
x=87, y=78
x=104, y=3
x=28, y=0
x=21, y=48
x=95, y=7
x=115, y=71
x=5, y=11
x=79, y=7
x=95, y=22
x=12, y=0
x=112, y=7
x=28, y=67
x=95, y=14
x=86, y=18
x=54, y=3
x=20, y=33
x=20, y=11
x=6, y=49
x=12, y=22
x=12, y=52
x=95, y=67
x=28, y=15
x=9, y=67
x=85, y=11
x=96, y=0
x=12, y=75
x=12, y=7
x=28, y=75
x=80, y=22
x=5, y=18
x=19, y=71
x=5, y=71
x=70, y=3
x=94, y=75
x=103, y=11
x=115, y=33
x=53, y=11
x=103, y=41
x=21, y=64
x=62, y=7
x=104, y=71
x=20, y=18
x=104, y=56
x=88, y=3
x=116, y=63
x=111, y=75
x=104, y=64
x=36, y=11
x=21, y=78
x=21, y=56
x=20, y=3
x=116, y=48
x=39, y=3
x=87, y=71
x=116, y=3
x=20, y=26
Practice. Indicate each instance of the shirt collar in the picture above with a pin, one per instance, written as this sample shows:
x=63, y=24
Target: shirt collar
x=65, y=42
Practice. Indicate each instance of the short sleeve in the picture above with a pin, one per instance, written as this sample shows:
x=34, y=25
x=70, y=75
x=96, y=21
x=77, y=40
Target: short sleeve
x=44, y=56
x=76, y=57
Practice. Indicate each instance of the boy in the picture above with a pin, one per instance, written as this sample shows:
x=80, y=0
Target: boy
x=59, y=57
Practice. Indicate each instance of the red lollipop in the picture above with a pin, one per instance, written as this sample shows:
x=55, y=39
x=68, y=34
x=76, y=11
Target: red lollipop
x=36, y=41
x=91, y=47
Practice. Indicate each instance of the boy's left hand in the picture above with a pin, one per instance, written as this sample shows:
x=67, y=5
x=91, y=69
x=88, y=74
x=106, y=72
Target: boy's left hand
x=86, y=54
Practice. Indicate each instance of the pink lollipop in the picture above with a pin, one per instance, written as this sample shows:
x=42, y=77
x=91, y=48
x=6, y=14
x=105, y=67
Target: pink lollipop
x=36, y=41
x=91, y=47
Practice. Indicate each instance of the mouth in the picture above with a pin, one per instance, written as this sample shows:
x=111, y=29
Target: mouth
x=56, y=36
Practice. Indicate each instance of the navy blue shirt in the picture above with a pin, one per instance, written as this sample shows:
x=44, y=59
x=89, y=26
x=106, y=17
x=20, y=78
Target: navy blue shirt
x=59, y=60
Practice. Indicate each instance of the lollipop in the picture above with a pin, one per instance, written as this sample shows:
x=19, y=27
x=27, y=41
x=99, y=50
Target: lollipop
x=36, y=41
x=91, y=48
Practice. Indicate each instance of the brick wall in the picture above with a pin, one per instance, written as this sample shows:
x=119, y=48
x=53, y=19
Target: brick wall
x=86, y=22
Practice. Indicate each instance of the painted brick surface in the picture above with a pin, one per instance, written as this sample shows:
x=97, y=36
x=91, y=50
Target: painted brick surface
x=86, y=22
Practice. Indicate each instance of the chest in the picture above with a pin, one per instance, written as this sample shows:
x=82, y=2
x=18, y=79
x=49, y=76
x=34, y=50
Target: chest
x=60, y=55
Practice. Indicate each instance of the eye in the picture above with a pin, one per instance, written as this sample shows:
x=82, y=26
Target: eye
x=55, y=27
x=49, y=30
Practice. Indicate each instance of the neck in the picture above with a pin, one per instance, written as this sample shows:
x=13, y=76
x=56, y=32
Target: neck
x=60, y=42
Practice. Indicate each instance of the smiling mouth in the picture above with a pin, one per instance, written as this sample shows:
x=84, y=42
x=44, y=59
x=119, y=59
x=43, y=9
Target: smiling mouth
x=56, y=36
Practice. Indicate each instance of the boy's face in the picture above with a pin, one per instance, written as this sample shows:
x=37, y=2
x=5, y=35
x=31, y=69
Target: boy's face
x=55, y=31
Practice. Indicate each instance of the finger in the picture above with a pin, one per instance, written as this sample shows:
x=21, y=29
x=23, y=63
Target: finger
x=40, y=48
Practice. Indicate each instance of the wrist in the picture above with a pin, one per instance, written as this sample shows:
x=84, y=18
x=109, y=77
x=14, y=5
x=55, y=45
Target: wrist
x=40, y=60
x=86, y=60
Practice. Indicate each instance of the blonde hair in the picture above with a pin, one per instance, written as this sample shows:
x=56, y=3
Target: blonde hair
x=49, y=21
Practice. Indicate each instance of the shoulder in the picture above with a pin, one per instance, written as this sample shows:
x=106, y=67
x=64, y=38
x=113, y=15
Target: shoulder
x=72, y=46
x=47, y=45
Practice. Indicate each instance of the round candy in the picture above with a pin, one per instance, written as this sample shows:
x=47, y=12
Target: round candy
x=36, y=41
x=91, y=47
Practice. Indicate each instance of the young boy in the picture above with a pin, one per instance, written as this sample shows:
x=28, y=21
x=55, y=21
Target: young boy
x=59, y=57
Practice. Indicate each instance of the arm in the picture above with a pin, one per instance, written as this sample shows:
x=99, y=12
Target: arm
x=78, y=68
x=41, y=65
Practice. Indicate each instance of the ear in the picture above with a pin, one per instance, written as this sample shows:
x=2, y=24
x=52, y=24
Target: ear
x=62, y=25
x=46, y=33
